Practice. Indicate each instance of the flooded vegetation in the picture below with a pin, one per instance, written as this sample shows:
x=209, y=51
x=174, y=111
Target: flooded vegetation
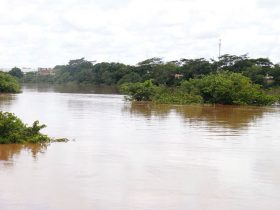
x=14, y=131
x=221, y=88
x=140, y=155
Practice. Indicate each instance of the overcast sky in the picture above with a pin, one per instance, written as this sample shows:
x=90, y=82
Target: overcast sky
x=44, y=33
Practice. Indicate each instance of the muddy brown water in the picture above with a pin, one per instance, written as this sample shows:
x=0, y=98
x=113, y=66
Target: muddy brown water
x=125, y=156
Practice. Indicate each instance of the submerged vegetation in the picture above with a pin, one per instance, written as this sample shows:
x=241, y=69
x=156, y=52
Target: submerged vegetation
x=218, y=88
x=147, y=91
x=228, y=88
x=14, y=131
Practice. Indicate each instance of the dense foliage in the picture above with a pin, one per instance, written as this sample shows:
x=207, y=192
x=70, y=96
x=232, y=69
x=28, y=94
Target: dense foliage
x=201, y=79
x=228, y=88
x=261, y=71
x=147, y=91
x=13, y=130
x=140, y=91
x=218, y=88
x=8, y=84
x=16, y=72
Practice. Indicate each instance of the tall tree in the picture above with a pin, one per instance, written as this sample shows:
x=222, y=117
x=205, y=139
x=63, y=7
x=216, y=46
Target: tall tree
x=16, y=72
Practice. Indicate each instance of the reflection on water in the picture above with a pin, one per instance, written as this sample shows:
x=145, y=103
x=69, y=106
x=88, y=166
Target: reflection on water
x=7, y=152
x=6, y=99
x=140, y=155
x=234, y=117
x=228, y=116
x=71, y=88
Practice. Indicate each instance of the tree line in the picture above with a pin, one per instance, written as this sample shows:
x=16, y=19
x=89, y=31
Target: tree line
x=261, y=71
x=229, y=80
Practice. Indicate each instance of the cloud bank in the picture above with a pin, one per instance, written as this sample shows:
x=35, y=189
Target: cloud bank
x=48, y=32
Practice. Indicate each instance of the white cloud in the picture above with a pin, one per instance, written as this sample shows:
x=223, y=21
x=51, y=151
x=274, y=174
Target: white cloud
x=49, y=32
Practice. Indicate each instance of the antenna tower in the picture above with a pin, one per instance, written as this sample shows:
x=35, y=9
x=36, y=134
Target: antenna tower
x=220, y=47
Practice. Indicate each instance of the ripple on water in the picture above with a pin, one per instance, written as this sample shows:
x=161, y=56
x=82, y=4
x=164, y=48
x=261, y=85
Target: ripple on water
x=140, y=155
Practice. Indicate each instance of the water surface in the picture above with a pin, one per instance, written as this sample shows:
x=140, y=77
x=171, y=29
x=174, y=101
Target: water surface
x=127, y=156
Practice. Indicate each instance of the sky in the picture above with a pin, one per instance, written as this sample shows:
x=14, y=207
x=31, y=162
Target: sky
x=44, y=33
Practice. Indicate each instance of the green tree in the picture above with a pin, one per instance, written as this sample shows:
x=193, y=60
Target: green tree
x=256, y=74
x=275, y=73
x=140, y=91
x=8, y=84
x=228, y=88
x=191, y=68
x=130, y=78
x=164, y=74
x=16, y=72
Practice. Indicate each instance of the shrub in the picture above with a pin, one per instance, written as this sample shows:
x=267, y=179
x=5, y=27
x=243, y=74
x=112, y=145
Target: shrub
x=147, y=91
x=175, y=96
x=13, y=130
x=227, y=88
x=8, y=84
x=139, y=91
x=220, y=88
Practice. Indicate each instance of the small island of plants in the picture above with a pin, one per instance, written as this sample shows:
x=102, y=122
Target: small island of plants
x=218, y=88
x=14, y=131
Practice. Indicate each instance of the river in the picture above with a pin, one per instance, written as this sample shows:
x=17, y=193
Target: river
x=139, y=156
